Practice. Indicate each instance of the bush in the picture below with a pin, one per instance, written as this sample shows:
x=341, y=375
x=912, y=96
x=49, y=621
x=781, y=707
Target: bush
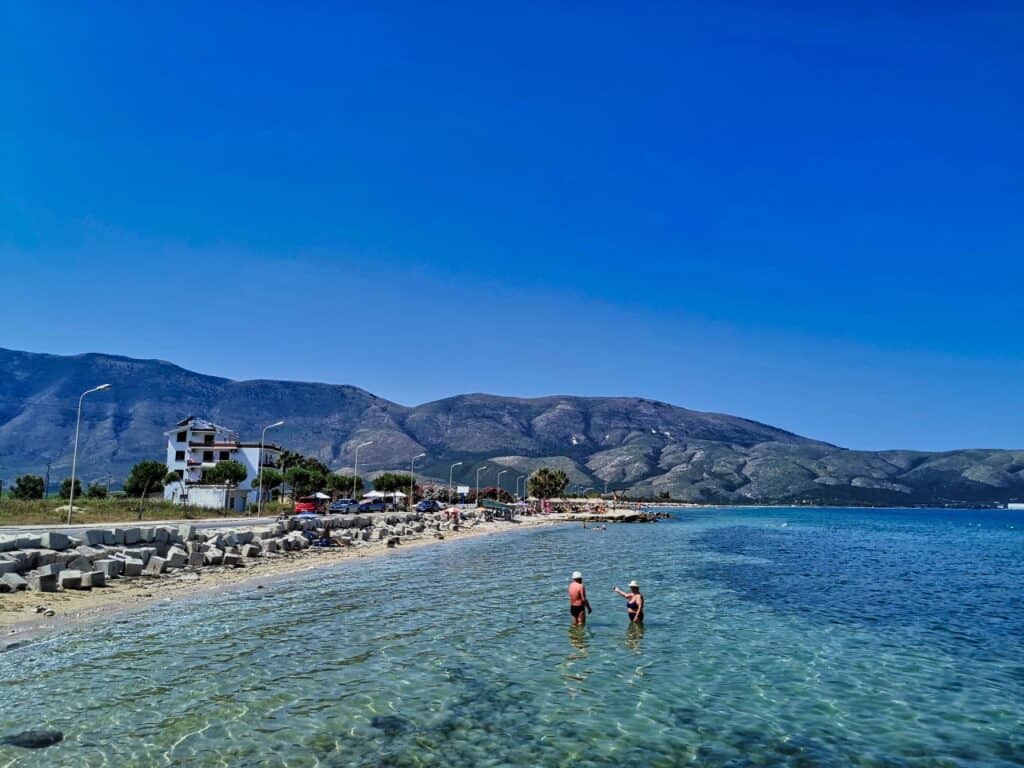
x=65, y=488
x=96, y=491
x=28, y=487
x=146, y=477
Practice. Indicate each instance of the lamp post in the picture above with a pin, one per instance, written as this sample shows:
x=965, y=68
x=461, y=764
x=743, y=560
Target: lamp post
x=412, y=480
x=497, y=483
x=263, y=436
x=355, y=469
x=523, y=478
x=451, y=470
x=74, y=455
x=478, y=471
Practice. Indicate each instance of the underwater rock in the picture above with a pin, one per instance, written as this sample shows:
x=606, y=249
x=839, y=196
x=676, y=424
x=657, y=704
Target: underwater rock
x=34, y=739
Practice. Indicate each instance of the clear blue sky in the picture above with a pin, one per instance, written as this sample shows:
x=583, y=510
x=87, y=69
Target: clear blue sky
x=807, y=214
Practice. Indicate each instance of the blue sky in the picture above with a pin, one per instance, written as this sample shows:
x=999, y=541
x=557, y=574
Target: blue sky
x=805, y=214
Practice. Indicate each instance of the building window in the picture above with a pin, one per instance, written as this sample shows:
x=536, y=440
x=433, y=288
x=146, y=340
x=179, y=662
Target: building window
x=179, y=455
x=182, y=437
x=207, y=455
x=225, y=455
x=208, y=440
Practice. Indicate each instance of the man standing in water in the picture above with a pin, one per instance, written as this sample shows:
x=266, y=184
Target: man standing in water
x=579, y=606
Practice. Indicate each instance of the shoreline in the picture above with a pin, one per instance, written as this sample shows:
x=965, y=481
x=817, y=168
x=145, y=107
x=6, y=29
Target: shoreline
x=20, y=624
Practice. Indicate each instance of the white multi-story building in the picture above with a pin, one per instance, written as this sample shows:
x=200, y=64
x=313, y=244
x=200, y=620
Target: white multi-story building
x=195, y=445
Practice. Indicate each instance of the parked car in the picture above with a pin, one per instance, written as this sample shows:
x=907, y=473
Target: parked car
x=344, y=505
x=374, y=505
x=428, y=505
x=307, y=505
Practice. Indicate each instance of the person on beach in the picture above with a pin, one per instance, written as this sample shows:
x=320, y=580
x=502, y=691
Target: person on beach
x=634, y=602
x=579, y=606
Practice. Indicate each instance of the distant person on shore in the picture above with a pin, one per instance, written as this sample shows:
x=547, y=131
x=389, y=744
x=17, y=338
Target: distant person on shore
x=579, y=606
x=634, y=602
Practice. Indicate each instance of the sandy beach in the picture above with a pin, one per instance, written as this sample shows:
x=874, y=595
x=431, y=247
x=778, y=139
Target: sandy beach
x=21, y=619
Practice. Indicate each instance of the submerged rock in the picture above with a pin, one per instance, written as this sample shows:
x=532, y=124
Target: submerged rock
x=34, y=739
x=390, y=724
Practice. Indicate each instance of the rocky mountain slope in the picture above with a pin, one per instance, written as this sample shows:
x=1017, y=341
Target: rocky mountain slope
x=636, y=445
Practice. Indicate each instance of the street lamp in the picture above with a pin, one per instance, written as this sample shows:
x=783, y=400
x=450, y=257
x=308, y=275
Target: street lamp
x=497, y=483
x=263, y=436
x=451, y=469
x=523, y=478
x=412, y=473
x=74, y=455
x=355, y=469
x=478, y=471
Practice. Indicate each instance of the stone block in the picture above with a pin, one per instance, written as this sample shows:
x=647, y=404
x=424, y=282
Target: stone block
x=7, y=543
x=270, y=545
x=131, y=536
x=13, y=581
x=133, y=566
x=232, y=559
x=228, y=539
x=160, y=535
x=176, y=558
x=55, y=540
x=91, y=552
x=196, y=559
x=109, y=539
x=393, y=541
x=145, y=535
x=92, y=538
x=80, y=563
x=29, y=541
x=250, y=550
x=243, y=537
x=186, y=532
x=42, y=582
x=112, y=567
x=94, y=579
x=44, y=557
x=50, y=570
x=70, y=579
x=8, y=565
x=213, y=556
x=155, y=566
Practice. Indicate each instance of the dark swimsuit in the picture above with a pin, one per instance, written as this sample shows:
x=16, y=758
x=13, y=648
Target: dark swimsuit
x=576, y=610
x=632, y=606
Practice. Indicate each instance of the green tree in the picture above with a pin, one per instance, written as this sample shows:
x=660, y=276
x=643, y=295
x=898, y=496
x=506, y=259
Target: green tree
x=146, y=477
x=229, y=471
x=291, y=459
x=271, y=479
x=342, y=485
x=304, y=481
x=65, y=488
x=547, y=483
x=28, y=487
x=389, y=482
x=96, y=491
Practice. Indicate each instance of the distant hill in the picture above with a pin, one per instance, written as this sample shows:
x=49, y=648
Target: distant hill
x=637, y=445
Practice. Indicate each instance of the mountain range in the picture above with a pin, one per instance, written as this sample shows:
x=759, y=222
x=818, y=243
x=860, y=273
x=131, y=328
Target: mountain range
x=639, y=446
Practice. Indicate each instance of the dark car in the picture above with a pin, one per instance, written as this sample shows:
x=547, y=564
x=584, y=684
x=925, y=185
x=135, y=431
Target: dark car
x=428, y=505
x=344, y=505
x=375, y=505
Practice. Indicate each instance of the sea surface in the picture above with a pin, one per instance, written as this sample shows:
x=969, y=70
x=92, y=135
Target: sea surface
x=774, y=637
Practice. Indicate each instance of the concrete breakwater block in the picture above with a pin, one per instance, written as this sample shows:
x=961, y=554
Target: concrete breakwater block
x=8, y=565
x=186, y=532
x=155, y=566
x=92, y=537
x=112, y=567
x=141, y=553
x=12, y=582
x=7, y=543
x=70, y=579
x=131, y=536
x=176, y=558
x=42, y=582
x=131, y=566
x=80, y=563
x=213, y=556
x=94, y=579
x=196, y=559
x=270, y=545
x=52, y=569
x=232, y=559
x=55, y=540
x=250, y=550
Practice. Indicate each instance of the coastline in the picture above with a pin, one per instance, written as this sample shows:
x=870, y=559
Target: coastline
x=20, y=623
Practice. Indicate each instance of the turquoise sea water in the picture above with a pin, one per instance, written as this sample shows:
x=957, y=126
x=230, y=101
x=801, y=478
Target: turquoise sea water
x=777, y=637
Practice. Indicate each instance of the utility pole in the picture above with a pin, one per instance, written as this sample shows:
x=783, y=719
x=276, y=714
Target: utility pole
x=46, y=482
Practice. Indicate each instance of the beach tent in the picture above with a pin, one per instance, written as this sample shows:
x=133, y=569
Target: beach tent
x=319, y=495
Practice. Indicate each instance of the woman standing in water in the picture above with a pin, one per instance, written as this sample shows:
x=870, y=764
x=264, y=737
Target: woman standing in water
x=634, y=602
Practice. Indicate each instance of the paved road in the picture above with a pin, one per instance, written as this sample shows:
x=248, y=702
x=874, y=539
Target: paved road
x=217, y=522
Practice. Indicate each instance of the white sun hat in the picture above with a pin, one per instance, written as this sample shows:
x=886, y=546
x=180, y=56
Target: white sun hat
x=634, y=584
x=576, y=575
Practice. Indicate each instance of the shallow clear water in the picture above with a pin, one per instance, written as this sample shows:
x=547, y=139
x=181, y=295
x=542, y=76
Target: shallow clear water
x=773, y=638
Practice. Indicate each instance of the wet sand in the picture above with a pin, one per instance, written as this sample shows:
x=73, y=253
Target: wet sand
x=20, y=622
